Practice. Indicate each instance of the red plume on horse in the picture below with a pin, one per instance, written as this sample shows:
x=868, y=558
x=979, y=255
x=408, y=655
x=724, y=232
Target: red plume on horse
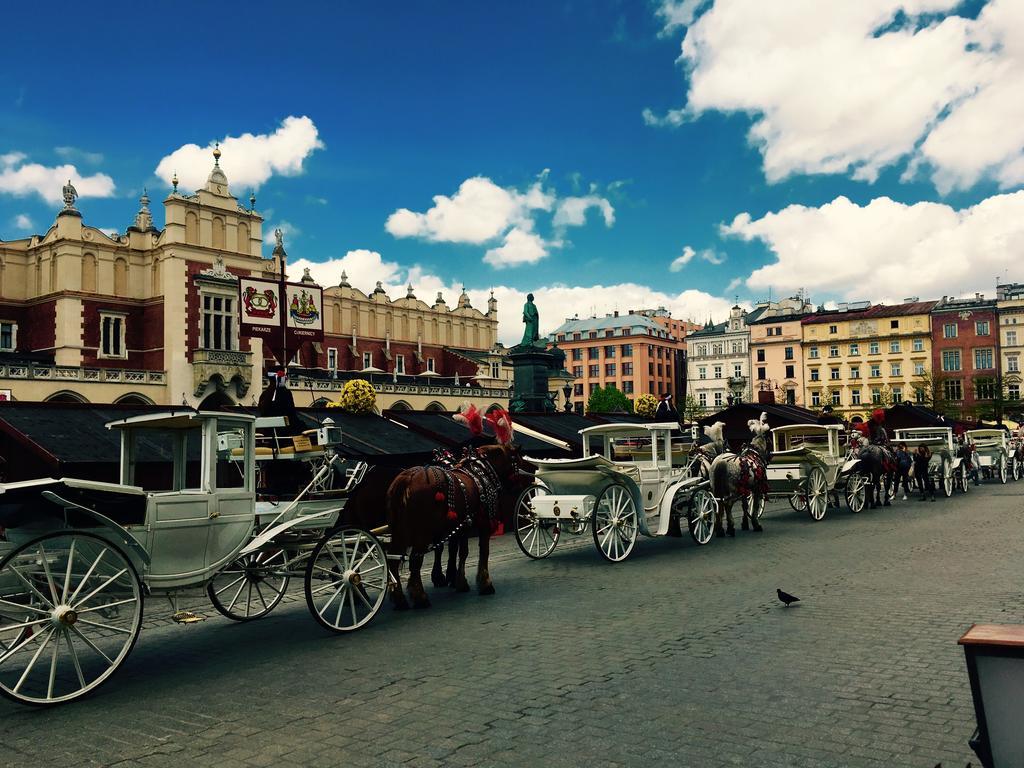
x=501, y=423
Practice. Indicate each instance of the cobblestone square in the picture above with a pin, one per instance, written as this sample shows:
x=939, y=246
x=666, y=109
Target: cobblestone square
x=679, y=656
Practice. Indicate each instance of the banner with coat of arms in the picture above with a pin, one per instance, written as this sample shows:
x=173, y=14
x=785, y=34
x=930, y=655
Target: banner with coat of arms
x=280, y=312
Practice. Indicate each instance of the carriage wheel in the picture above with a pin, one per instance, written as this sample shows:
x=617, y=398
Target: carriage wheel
x=757, y=508
x=535, y=536
x=346, y=579
x=251, y=586
x=962, y=480
x=1002, y=469
x=699, y=512
x=947, y=478
x=856, y=492
x=70, y=612
x=798, y=501
x=817, y=493
x=615, y=523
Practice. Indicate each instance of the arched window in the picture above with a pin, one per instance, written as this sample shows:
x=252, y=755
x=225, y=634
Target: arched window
x=243, y=238
x=218, y=232
x=336, y=318
x=66, y=396
x=133, y=398
x=191, y=228
x=435, y=407
x=155, y=289
x=120, y=277
x=400, y=405
x=89, y=273
x=53, y=272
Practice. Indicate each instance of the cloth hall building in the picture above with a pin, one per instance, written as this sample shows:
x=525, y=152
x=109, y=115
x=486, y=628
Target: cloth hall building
x=151, y=316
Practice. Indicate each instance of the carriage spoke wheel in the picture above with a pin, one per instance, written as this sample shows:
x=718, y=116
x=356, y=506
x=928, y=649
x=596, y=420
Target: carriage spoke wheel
x=817, y=494
x=1002, y=469
x=798, y=501
x=947, y=478
x=346, y=579
x=615, y=523
x=70, y=612
x=537, y=537
x=251, y=586
x=699, y=512
x=856, y=492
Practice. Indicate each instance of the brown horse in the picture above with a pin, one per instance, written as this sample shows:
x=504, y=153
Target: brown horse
x=430, y=505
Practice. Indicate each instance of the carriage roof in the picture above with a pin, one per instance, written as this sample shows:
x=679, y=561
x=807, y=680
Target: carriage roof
x=180, y=419
x=986, y=432
x=628, y=430
x=808, y=428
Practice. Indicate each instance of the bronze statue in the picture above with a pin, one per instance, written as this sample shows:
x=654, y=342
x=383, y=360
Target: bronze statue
x=531, y=318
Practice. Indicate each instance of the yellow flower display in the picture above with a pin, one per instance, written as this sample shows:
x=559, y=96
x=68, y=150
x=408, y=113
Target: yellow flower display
x=646, y=406
x=357, y=396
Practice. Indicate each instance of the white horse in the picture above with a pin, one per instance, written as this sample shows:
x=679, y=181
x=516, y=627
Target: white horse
x=743, y=477
x=704, y=455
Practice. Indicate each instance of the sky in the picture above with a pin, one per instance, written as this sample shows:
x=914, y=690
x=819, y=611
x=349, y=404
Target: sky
x=603, y=154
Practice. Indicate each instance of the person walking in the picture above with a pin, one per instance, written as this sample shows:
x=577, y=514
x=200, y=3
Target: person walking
x=924, y=478
x=904, y=462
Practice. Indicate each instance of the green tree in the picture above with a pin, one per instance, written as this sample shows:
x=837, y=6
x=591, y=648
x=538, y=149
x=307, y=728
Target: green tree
x=693, y=410
x=609, y=400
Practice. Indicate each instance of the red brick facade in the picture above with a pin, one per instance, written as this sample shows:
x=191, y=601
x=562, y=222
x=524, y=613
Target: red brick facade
x=965, y=353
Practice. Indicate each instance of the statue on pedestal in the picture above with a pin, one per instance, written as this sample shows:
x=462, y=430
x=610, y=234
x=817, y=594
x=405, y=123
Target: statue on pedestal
x=531, y=319
x=70, y=194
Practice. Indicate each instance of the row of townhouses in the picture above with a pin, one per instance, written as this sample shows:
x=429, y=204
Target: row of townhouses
x=961, y=356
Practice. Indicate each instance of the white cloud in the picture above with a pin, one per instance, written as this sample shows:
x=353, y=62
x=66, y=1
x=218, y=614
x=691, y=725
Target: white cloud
x=248, y=160
x=478, y=212
x=856, y=87
x=482, y=212
x=689, y=254
x=21, y=179
x=520, y=247
x=23, y=222
x=572, y=211
x=887, y=250
x=677, y=13
x=555, y=302
x=74, y=153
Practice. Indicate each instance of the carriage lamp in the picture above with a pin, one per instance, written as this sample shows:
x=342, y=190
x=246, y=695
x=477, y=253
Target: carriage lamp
x=556, y=510
x=995, y=666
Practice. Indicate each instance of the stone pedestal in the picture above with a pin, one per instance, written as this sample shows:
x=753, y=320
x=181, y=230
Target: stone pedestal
x=531, y=367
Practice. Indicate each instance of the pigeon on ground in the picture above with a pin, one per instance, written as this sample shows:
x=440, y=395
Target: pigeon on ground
x=787, y=598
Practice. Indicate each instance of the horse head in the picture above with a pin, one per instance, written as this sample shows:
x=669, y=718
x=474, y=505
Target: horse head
x=505, y=459
x=714, y=434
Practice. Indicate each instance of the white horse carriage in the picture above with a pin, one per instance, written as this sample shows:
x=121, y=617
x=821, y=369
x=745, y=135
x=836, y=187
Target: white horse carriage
x=630, y=486
x=991, y=446
x=945, y=466
x=808, y=463
x=82, y=555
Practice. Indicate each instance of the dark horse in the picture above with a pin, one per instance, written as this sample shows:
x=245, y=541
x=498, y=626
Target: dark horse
x=427, y=506
x=880, y=465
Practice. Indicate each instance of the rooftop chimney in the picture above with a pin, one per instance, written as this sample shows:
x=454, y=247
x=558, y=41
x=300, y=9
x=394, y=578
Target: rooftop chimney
x=616, y=313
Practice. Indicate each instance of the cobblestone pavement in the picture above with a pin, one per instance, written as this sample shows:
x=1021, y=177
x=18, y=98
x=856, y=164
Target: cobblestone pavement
x=680, y=656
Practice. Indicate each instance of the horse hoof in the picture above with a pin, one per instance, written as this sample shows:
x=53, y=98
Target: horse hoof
x=745, y=526
x=719, y=531
x=439, y=581
x=486, y=589
x=887, y=504
x=421, y=604
x=758, y=528
x=402, y=606
x=461, y=586
x=731, y=532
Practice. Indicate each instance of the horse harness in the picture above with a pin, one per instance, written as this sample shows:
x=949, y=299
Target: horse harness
x=447, y=473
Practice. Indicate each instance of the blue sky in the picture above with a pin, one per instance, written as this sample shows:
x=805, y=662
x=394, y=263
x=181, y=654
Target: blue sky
x=833, y=153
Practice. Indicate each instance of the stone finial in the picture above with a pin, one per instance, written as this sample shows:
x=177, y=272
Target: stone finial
x=217, y=176
x=306, y=277
x=216, y=155
x=279, y=243
x=440, y=299
x=252, y=201
x=174, y=183
x=464, y=298
x=408, y=292
x=344, y=280
x=379, y=288
x=144, y=219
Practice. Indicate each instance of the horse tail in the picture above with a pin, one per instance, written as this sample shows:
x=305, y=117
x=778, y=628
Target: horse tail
x=720, y=479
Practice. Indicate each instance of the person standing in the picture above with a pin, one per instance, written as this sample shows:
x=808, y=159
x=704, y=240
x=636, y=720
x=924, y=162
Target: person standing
x=924, y=479
x=904, y=462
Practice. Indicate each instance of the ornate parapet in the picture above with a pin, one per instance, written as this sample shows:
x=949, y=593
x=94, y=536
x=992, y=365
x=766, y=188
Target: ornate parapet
x=222, y=367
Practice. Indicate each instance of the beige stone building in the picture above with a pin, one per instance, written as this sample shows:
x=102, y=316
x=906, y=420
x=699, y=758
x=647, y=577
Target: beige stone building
x=151, y=316
x=776, y=359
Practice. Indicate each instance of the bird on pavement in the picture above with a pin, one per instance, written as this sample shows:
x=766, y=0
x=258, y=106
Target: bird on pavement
x=787, y=598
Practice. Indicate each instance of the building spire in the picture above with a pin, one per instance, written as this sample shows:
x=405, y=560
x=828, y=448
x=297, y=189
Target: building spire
x=174, y=183
x=216, y=154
